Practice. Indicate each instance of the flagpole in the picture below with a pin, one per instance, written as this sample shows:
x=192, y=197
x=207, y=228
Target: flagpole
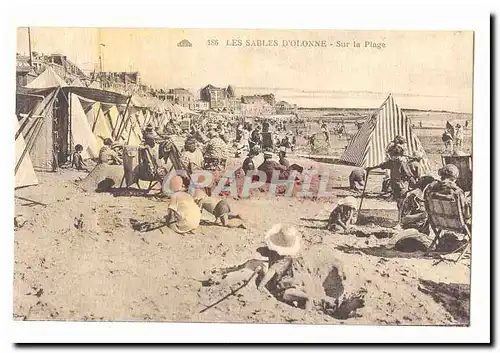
x=29, y=46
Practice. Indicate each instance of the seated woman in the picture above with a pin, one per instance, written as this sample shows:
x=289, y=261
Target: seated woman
x=107, y=155
x=192, y=157
x=447, y=187
x=413, y=214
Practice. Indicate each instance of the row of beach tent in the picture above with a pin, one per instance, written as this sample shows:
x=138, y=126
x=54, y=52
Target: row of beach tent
x=53, y=116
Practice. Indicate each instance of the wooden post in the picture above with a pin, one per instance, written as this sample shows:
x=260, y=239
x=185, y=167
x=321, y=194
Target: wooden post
x=363, y=193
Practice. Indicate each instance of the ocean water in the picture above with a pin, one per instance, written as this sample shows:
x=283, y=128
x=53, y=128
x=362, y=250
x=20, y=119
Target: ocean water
x=361, y=99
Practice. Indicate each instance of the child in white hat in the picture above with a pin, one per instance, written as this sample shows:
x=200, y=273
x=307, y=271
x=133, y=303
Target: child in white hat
x=287, y=276
x=342, y=216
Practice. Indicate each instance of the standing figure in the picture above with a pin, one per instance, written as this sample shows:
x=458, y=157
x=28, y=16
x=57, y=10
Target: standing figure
x=282, y=157
x=459, y=136
x=324, y=130
x=400, y=173
x=448, y=141
x=415, y=165
x=255, y=138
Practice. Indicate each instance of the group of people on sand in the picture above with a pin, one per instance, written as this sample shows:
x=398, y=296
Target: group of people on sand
x=184, y=211
x=285, y=275
x=409, y=187
x=108, y=154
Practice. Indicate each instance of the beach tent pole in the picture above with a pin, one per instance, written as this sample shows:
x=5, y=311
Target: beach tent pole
x=363, y=193
x=96, y=117
x=70, y=124
x=122, y=125
x=31, y=141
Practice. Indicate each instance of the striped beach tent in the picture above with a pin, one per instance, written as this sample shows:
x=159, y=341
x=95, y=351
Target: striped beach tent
x=368, y=147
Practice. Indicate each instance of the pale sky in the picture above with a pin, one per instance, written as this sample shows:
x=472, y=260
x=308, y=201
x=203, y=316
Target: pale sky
x=424, y=70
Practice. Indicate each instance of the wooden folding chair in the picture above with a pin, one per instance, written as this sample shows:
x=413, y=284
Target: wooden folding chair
x=148, y=169
x=445, y=214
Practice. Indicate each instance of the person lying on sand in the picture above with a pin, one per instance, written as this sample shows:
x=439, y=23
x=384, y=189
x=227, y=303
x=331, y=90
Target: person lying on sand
x=220, y=209
x=289, y=280
x=287, y=277
x=342, y=216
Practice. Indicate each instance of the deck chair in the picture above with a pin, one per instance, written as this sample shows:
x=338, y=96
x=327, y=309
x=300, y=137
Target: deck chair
x=148, y=169
x=464, y=165
x=267, y=141
x=445, y=214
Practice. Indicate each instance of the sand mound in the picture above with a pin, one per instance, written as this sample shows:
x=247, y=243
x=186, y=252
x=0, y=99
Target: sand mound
x=102, y=178
x=454, y=297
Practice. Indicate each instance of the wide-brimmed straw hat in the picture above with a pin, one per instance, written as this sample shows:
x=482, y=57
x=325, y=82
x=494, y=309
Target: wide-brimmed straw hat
x=349, y=201
x=285, y=240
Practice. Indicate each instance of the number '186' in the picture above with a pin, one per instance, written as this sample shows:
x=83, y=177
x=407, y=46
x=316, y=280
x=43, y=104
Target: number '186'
x=212, y=42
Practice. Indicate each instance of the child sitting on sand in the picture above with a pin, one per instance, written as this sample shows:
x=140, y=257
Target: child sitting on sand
x=219, y=209
x=342, y=216
x=77, y=160
x=287, y=276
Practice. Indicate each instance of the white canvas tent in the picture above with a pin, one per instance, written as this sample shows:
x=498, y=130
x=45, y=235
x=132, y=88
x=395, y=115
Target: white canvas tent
x=100, y=124
x=48, y=78
x=81, y=131
x=95, y=84
x=25, y=174
x=77, y=83
x=368, y=147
